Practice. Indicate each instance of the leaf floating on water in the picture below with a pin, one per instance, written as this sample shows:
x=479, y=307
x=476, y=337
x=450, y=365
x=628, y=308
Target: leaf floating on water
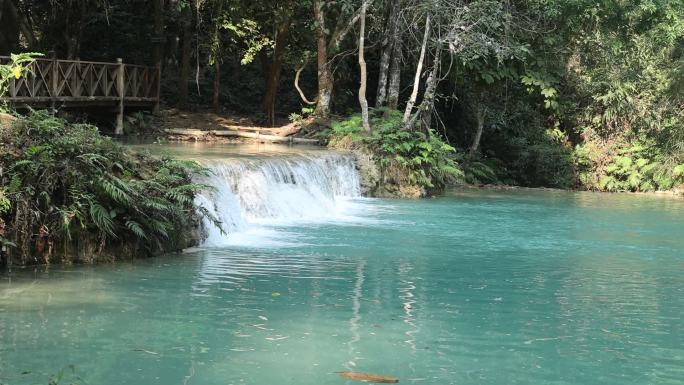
x=367, y=377
x=146, y=351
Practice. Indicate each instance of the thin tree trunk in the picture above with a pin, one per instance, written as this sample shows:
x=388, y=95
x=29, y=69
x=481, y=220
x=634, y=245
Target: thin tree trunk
x=186, y=52
x=216, y=97
x=427, y=106
x=275, y=69
x=362, y=67
x=479, y=117
x=158, y=44
x=419, y=69
x=325, y=83
x=299, y=89
x=395, y=75
x=388, y=47
x=216, y=48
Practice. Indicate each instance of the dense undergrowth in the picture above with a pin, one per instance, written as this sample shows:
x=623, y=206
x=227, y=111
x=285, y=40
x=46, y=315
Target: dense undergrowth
x=416, y=163
x=410, y=161
x=68, y=193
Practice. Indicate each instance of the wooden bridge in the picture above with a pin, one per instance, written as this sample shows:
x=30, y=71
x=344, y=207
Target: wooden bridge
x=76, y=83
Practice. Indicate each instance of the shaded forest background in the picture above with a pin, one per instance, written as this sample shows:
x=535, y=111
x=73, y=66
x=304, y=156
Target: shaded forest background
x=558, y=93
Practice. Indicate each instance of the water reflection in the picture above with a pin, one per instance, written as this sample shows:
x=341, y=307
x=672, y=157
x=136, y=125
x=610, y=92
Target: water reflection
x=356, y=316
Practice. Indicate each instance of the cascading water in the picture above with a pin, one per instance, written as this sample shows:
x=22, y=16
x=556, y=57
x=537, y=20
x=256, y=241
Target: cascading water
x=255, y=192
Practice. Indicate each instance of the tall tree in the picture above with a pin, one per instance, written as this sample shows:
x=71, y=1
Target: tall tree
x=325, y=76
x=283, y=21
x=362, y=69
x=419, y=70
x=186, y=22
x=324, y=47
x=391, y=37
x=158, y=43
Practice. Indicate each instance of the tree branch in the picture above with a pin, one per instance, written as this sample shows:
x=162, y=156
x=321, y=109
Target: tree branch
x=296, y=84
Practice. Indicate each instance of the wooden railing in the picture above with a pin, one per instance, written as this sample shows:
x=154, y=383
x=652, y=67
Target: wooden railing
x=64, y=83
x=78, y=81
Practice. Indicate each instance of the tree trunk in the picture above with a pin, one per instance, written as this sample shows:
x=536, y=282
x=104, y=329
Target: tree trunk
x=395, y=75
x=9, y=29
x=427, y=106
x=325, y=82
x=419, y=69
x=388, y=47
x=275, y=69
x=13, y=13
x=158, y=44
x=479, y=117
x=216, y=97
x=216, y=56
x=186, y=52
x=362, y=66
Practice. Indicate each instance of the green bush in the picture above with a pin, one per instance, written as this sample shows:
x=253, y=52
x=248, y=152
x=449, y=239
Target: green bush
x=66, y=190
x=638, y=166
x=407, y=157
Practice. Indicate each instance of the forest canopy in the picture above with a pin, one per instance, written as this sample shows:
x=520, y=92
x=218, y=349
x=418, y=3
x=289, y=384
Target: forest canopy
x=559, y=93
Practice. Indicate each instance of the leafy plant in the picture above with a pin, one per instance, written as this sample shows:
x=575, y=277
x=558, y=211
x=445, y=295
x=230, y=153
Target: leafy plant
x=72, y=191
x=407, y=157
x=639, y=167
x=297, y=118
x=16, y=68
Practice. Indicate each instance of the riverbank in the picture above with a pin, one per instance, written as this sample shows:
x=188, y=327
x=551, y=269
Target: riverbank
x=675, y=193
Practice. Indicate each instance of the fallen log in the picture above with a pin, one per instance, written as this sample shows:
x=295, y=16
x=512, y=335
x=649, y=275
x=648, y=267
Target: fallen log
x=253, y=135
x=367, y=377
x=261, y=130
x=286, y=130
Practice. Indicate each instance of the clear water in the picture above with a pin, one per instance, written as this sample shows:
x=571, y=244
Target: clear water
x=477, y=287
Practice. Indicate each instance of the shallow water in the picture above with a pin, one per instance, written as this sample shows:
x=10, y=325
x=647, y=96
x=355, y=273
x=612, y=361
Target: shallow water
x=476, y=287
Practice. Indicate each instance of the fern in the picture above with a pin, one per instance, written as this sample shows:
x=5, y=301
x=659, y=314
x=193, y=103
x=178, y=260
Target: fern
x=102, y=219
x=115, y=189
x=136, y=229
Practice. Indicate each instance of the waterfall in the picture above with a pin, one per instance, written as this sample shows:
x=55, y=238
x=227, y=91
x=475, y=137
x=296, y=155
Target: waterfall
x=265, y=190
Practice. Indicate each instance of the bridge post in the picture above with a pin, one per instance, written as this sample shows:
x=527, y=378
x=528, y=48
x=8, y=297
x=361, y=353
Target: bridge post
x=120, y=89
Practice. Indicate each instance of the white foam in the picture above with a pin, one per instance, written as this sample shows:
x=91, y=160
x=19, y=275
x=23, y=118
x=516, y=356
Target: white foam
x=255, y=197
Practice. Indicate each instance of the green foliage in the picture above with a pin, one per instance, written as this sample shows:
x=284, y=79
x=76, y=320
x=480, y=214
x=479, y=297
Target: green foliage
x=65, y=185
x=17, y=67
x=297, y=118
x=480, y=171
x=407, y=156
x=247, y=31
x=638, y=166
